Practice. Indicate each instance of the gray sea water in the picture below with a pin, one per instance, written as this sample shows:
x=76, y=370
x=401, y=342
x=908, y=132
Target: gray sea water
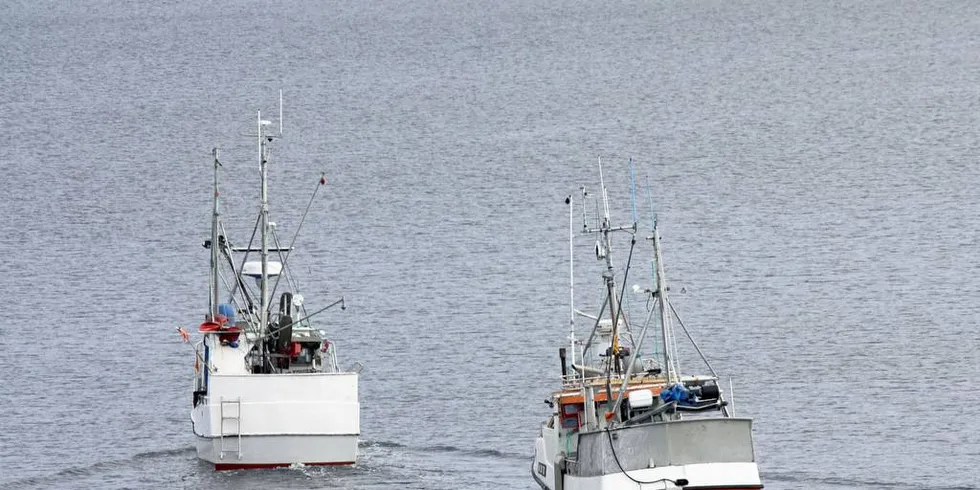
x=814, y=164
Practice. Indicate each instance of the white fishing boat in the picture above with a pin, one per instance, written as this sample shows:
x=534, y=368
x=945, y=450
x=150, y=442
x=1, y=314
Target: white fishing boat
x=625, y=416
x=268, y=390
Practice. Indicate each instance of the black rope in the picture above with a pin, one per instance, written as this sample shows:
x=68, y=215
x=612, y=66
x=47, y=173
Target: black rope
x=680, y=482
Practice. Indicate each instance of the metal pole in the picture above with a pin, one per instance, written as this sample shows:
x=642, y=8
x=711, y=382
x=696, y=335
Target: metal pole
x=609, y=275
x=664, y=314
x=632, y=362
x=571, y=273
x=214, y=241
x=731, y=392
x=264, y=211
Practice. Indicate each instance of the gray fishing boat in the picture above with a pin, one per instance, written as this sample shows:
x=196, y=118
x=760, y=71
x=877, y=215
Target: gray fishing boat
x=624, y=415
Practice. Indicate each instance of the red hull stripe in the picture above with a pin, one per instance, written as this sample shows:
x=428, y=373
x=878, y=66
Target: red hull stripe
x=266, y=466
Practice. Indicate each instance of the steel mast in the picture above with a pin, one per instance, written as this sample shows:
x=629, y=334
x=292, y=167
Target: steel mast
x=667, y=330
x=264, y=224
x=603, y=252
x=213, y=299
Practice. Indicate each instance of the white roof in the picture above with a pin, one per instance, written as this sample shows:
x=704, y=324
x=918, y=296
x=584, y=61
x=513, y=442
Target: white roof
x=254, y=269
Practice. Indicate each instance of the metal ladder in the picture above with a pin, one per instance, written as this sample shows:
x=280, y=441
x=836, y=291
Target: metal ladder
x=236, y=406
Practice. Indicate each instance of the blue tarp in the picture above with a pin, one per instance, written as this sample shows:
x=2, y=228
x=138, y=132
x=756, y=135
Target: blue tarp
x=676, y=392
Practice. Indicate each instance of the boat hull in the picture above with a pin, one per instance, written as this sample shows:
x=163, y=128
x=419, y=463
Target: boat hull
x=713, y=454
x=258, y=452
x=273, y=420
x=713, y=476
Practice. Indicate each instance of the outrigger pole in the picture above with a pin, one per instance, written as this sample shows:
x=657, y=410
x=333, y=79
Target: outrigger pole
x=289, y=249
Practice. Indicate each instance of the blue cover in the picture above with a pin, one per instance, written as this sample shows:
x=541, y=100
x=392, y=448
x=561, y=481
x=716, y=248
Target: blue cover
x=676, y=392
x=228, y=311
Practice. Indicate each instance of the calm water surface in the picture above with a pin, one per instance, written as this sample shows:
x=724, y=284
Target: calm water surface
x=814, y=164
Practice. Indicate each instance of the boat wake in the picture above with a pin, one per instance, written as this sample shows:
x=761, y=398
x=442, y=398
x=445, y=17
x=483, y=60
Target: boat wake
x=485, y=453
x=443, y=448
x=164, y=452
x=376, y=465
x=77, y=472
x=382, y=444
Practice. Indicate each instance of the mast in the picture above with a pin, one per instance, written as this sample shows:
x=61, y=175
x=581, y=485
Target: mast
x=603, y=253
x=665, y=325
x=213, y=297
x=609, y=275
x=264, y=224
x=571, y=274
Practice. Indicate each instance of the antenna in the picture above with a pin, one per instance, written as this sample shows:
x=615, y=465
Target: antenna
x=586, y=196
x=633, y=190
x=605, y=197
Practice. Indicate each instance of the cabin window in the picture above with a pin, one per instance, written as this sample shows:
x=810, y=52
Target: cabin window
x=570, y=415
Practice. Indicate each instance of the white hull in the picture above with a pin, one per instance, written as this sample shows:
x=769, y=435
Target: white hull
x=276, y=451
x=706, y=475
x=709, y=453
x=270, y=420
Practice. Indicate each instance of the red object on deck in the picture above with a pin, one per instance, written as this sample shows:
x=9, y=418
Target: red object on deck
x=209, y=327
x=294, y=349
x=229, y=334
x=225, y=333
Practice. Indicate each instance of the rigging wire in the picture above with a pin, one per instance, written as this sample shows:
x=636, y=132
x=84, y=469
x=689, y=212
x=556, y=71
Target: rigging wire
x=320, y=183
